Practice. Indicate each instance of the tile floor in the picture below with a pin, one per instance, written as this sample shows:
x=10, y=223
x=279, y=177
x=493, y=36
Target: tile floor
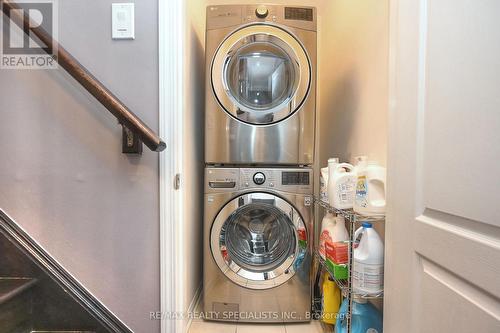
x=200, y=326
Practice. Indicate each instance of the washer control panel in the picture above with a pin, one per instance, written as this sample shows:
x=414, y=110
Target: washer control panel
x=298, y=180
x=294, y=180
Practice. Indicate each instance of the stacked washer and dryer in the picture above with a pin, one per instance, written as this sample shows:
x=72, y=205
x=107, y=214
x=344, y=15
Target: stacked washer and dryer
x=259, y=152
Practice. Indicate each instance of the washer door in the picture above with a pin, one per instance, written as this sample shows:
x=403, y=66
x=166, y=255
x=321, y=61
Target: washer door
x=261, y=74
x=258, y=240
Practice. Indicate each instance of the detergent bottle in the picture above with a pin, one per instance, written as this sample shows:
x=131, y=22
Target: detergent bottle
x=365, y=317
x=323, y=178
x=323, y=184
x=332, y=230
x=330, y=300
x=341, y=186
x=327, y=227
x=370, y=189
x=360, y=162
x=368, y=265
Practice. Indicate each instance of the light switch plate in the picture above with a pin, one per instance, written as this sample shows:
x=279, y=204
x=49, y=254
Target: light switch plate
x=123, y=26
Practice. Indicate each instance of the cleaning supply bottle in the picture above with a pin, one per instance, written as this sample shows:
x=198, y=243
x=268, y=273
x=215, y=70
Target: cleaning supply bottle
x=368, y=264
x=330, y=300
x=324, y=178
x=323, y=184
x=327, y=228
x=332, y=230
x=370, y=190
x=360, y=162
x=317, y=293
x=341, y=186
x=366, y=318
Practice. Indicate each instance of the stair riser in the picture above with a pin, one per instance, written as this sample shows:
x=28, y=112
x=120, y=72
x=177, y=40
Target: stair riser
x=16, y=313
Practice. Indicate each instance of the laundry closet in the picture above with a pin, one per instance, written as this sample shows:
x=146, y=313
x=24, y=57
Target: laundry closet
x=249, y=167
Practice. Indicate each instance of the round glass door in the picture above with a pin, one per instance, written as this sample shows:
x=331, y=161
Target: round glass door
x=257, y=240
x=261, y=74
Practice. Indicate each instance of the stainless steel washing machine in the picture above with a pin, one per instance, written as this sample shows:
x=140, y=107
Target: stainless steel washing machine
x=260, y=84
x=257, y=244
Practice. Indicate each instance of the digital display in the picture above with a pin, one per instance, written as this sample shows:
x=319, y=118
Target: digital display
x=295, y=178
x=300, y=14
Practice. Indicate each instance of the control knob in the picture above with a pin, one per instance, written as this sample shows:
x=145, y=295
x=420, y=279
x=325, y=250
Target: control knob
x=261, y=11
x=259, y=178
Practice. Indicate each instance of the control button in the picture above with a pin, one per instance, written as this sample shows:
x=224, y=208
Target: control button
x=259, y=178
x=246, y=184
x=271, y=184
x=261, y=11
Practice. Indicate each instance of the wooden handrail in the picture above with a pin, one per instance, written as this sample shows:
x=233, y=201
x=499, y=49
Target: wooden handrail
x=87, y=80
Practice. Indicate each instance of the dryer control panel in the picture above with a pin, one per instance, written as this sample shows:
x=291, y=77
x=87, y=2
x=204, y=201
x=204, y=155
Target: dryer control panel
x=295, y=180
x=222, y=16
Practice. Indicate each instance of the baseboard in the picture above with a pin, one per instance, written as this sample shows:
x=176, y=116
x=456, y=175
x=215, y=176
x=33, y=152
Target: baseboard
x=193, y=304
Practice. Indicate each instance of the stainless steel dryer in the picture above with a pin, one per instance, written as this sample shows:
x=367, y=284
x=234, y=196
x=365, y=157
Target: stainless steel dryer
x=258, y=244
x=260, y=84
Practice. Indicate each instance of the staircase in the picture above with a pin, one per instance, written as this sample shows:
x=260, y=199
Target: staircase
x=15, y=303
x=38, y=296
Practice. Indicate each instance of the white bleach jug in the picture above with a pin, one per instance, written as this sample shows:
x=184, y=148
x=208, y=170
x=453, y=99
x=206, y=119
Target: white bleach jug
x=368, y=265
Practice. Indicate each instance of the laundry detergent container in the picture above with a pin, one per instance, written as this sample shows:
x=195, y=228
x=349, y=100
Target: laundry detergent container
x=365, y=317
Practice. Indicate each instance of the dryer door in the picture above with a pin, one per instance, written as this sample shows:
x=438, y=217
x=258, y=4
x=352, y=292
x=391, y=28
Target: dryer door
x=258, y=240
x=261, y=74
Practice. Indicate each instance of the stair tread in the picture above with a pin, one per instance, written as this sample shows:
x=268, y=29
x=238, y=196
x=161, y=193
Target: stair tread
x=13, y=286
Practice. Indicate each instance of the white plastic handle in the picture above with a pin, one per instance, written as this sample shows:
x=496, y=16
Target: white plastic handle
x=347, y=166
x=378, y=182
x=357, y=232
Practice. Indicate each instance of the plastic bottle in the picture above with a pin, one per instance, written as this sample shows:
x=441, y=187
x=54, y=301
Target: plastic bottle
x=327, y=226
x=318, y=292
x=366, y=318
x=340, y=233
x=324, y=178
x=341, y=186
x=330, y=300
x=323, y=184
x=360, y=162
x=332, y=230
x=368, y=265
x=370, y=190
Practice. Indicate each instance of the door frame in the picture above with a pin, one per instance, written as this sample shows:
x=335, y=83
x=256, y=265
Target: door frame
x=171, y=22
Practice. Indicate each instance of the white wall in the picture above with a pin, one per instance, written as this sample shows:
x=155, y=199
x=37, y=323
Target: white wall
x=63, y=177
x=353, y=80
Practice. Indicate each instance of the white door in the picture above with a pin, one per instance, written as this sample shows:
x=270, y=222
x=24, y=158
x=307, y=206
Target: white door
x=443, y=223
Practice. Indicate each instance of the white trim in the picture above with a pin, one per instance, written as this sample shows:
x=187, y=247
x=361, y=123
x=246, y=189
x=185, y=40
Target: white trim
x=194, y=304
x=171, y=63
